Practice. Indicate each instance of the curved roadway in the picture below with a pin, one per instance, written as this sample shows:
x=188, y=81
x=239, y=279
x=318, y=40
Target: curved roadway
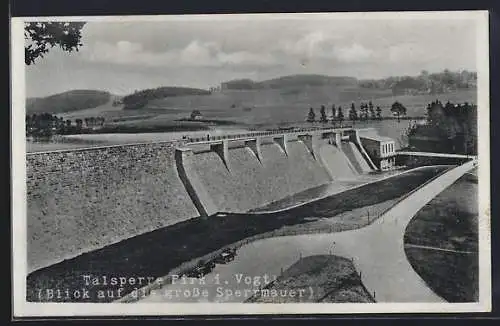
x=377, y=251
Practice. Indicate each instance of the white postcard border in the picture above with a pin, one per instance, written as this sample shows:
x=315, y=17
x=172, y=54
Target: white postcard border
x=22, y=308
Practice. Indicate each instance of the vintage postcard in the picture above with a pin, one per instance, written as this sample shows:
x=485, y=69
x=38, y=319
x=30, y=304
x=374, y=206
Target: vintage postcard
x=251, y=164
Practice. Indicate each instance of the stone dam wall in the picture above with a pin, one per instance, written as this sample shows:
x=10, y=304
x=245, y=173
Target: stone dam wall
x=83, y=200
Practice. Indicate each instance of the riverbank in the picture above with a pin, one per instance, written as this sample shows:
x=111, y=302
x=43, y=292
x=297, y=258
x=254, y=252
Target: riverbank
x=318, y=278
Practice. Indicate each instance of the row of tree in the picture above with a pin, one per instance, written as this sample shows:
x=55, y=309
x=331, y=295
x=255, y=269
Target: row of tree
x=46, y=124
x=367, y=111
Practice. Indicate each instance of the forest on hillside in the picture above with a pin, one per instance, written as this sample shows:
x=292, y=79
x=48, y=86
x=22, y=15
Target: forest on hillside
x=68, y=101
x=289, y=81
x=425, y=83
x=139, y=99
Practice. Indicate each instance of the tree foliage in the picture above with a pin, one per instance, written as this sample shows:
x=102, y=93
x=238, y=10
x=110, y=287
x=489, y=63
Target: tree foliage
x=425, y=83
x=340, y=114
x=353, y=114
x=323, y=118
x=452, y=126
x=139, y=99
x=311, y=116
x=379, y=112
x=40, y=37
x=46, y=124
x=398, y=109
x=73, y=100
x=372, y=111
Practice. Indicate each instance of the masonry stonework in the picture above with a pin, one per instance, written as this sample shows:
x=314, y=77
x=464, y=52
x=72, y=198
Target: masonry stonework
x=83, y=200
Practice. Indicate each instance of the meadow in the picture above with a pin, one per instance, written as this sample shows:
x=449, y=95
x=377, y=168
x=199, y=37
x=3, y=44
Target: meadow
x=250, y=110
x=261, y=107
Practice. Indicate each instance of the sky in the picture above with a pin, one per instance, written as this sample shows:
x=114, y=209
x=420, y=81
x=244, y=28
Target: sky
x=123, y=56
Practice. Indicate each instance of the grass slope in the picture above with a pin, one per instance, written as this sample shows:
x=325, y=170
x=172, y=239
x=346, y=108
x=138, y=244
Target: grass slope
x=74, y=100
x=318, y=278
x=448, y=222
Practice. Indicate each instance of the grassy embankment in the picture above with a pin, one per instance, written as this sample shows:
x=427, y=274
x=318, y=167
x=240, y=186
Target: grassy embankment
x=156, y=253
x=449, y=222
x=319, y=278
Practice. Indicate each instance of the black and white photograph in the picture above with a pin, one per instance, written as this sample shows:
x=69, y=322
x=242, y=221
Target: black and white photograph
x=251, y=164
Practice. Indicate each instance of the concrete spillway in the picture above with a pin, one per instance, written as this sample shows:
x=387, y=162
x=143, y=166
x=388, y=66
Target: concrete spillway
x=241, y=175
x=355, y=157
x=249, y=183
x=337, y=164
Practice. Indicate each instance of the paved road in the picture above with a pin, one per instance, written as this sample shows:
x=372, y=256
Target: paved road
x=383, y=261
x=377, y=251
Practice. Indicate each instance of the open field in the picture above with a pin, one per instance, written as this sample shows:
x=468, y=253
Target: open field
x=273, y=106
x=156, y=253
x=251, y=109
x=326, y=278
x=441, y=242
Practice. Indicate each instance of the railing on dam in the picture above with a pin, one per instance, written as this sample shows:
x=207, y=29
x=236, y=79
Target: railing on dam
x=263, y=133
x=431, y=154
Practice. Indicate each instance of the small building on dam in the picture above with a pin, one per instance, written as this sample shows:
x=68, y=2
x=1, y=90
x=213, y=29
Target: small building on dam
x=381, y=149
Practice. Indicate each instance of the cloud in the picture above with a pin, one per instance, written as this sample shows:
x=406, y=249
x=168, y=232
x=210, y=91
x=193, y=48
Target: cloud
x=195, y=54
x=326, y=46
x=354, y=53
x=310, y=45
x=407, y=52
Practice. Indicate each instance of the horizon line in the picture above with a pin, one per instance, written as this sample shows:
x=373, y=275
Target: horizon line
x=253, y=80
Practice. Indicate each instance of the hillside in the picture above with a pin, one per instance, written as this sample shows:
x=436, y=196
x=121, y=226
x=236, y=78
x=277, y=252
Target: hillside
x=139, y=99
x=292, y=81
x=70, y=101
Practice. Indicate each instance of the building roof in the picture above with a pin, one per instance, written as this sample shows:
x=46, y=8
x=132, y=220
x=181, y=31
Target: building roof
x=371, y=133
